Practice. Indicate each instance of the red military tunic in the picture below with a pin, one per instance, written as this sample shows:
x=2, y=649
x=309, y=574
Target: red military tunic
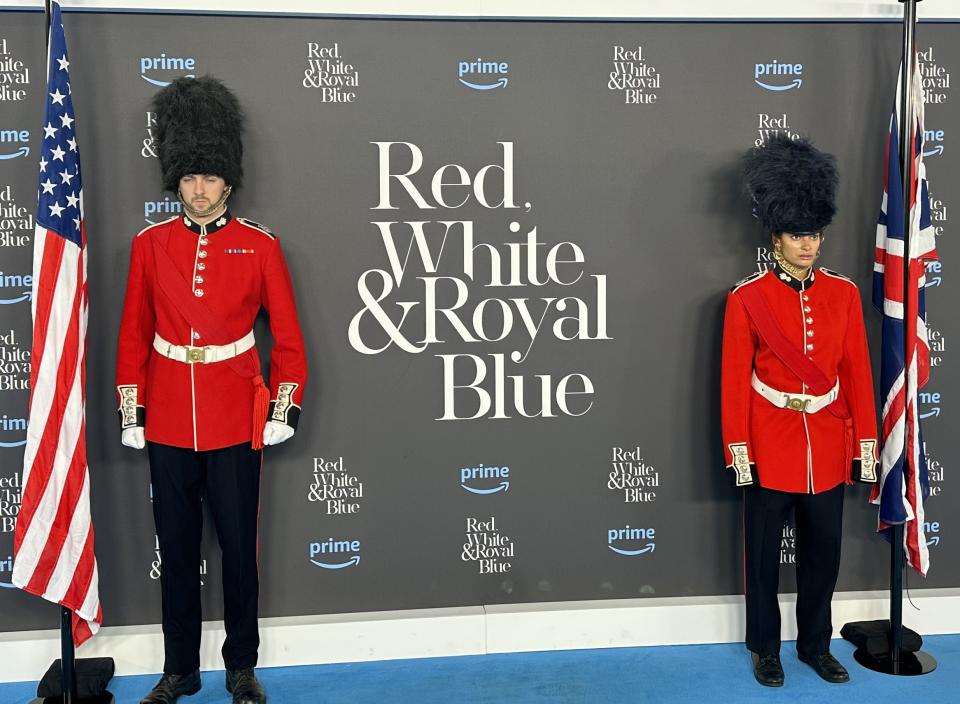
x=789, y=450
x=234, y=267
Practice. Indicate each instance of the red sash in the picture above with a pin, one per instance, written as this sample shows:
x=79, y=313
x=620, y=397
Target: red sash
x=760, y=312
x=175, y=287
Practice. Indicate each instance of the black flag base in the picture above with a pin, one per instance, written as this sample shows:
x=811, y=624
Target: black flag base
x=908, y=664
x=875, y=650
x=74, y=681
x=89, y=683
x=105, y=698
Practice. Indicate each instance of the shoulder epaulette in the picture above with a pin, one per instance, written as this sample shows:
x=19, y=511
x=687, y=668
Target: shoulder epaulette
x=756, y=276
x=157, y=224
x=258, y=227
x=835, y=275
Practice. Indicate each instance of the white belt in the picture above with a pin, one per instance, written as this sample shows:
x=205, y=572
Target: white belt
x=805, y=403
x=202, y=355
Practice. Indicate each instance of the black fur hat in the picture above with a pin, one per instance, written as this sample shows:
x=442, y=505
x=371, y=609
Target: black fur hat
x=793, y=185
x=199, y=131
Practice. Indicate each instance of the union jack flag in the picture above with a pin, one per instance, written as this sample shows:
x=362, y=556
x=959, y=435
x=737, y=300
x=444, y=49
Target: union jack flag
x=903, y=482
x=53, y=538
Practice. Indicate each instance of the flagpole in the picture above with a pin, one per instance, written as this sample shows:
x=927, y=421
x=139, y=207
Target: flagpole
x=67, y=651
x=897, y=661
x=67, y=677
x=67, y=656
x=906, y=164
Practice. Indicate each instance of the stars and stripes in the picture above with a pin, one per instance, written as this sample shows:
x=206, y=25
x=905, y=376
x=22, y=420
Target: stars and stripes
x=903, y=482
x=53, y=539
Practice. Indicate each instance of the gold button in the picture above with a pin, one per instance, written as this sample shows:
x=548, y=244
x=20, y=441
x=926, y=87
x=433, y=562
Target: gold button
x=806, y=309
x=809, y=333
x=809, y=320
x=201, y=266
x=202, y=254
x=203, y=240
x=199, y=280
x=806, y=298
x=810, y=347
x=198, y=293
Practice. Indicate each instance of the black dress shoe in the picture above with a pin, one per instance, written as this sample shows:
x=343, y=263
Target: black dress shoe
x=245, y=687
x=172, y=687
x=827, y=667
x=768, y=670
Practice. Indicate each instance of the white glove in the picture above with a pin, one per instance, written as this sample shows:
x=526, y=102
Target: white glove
x=275, y=433
x=133, y=437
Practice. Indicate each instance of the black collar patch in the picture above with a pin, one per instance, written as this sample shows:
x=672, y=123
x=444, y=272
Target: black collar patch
x=797, y=285
x=211, y=227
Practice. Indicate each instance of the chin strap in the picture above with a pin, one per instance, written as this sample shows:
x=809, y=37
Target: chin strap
x=798, y=272
x=209, y=211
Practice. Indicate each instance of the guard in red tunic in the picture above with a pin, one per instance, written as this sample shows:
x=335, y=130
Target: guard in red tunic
x=799, y=420
x=189, y=384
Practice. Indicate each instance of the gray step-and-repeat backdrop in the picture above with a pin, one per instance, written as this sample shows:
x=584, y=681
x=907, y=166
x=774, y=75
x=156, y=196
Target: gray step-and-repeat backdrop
x=511, y=243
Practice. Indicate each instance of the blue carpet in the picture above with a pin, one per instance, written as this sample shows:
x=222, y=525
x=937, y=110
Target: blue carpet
x=692, y=673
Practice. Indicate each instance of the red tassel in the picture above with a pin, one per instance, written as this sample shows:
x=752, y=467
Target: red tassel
x=848, y=455
x=261, y=404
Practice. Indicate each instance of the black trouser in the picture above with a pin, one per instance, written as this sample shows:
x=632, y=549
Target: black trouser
x=819, y=522
x=229, y=480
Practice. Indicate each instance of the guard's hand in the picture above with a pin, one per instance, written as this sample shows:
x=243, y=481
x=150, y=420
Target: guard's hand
x=133, y=437
x=275, y=433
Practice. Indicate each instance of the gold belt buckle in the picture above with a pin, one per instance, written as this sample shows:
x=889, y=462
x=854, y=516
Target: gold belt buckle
x=195, y=355
x=797, y=404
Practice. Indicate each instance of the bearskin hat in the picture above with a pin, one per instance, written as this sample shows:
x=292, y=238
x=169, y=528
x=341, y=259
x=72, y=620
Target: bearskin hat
x=793, y=185
x=199, y=131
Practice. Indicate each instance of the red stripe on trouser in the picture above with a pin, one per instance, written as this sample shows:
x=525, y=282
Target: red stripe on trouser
x=258, y=530
x=48, y=445
x=743, y=541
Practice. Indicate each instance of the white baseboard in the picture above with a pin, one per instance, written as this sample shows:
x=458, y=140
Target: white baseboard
x=389, y=635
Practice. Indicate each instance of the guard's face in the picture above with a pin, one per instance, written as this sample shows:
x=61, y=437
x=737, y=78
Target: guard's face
x=799, y=250
x=200, y=191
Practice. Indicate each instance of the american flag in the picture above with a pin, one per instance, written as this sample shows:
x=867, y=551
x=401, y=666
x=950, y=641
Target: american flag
x=903, y=481
x=53, y=539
